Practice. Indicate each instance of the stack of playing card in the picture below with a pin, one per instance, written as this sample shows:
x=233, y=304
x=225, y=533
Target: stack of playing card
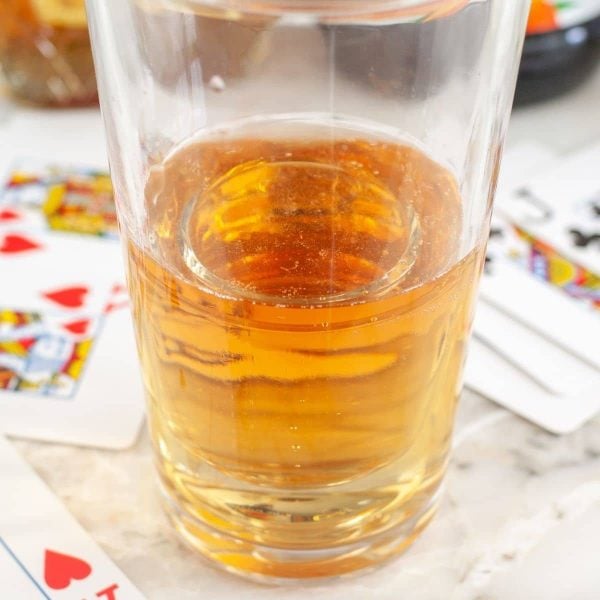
x=536, y=340
x=68, y=368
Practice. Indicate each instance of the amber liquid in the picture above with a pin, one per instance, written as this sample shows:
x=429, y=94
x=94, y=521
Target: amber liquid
x=301, y=312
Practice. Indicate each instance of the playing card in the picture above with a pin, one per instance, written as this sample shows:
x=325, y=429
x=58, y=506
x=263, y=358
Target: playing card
x=495, y=378
x=536, y=305
x=569, y=324
x=60, y=272
x=68, y=366
x=535, y=247
x=546, y=263
x=561, y=208
x=60, y=197
x=552, y=368
x=81, y=386
x=44, y=552
x=11, y=216
x=44, y=354
x=534, y=348
x=520, y=163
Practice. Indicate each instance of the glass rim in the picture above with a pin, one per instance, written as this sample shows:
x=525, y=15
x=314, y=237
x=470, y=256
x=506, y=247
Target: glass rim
x=408, y=9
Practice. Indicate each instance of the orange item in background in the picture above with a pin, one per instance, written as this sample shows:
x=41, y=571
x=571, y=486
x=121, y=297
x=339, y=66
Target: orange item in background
x=542, y=17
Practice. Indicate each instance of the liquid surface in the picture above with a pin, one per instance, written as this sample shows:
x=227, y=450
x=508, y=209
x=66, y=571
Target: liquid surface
x=301, y=315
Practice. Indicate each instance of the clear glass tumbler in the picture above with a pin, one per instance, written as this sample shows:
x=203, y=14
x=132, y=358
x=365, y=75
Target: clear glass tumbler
x=304, y=189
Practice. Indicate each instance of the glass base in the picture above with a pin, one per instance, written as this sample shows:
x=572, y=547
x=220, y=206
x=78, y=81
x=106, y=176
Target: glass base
x=266, y=564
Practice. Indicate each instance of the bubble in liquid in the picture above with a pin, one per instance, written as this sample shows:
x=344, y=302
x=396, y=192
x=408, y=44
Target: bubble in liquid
x=217, y=83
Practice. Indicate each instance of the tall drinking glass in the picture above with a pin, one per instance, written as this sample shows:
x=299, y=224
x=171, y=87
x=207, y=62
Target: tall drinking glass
x=304, y=189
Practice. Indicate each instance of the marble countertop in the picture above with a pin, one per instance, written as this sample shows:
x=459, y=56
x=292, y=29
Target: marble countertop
x=520, y=519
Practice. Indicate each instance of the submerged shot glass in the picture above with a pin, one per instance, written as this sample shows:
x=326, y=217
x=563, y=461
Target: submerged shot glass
x=304, y=189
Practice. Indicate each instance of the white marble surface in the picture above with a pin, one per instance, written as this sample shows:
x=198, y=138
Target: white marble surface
x=520, y=519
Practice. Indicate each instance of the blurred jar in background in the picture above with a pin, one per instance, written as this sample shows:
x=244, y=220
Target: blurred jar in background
x=561, y=50
x=45, y=52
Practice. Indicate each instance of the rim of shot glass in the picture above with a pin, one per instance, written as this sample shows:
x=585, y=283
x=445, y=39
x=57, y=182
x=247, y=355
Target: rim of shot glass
x=297, y=123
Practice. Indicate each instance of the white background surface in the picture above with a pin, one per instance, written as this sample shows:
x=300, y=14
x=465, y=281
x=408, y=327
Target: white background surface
x=521, y=516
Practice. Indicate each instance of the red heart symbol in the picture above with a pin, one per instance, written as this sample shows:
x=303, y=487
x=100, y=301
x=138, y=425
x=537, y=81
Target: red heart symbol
x=9, y=215
x=78, y=327
x=61, y=569
x=71, y=297
x=13, y=244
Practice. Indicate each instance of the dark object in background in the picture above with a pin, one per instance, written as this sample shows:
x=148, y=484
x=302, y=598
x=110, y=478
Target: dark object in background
x=561, y=50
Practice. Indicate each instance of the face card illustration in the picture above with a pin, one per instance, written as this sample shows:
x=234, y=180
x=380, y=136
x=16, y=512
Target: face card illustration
x=546, y=263
x=83, y=389
x=62, y=198
x=44, y=355
x=44, y=552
